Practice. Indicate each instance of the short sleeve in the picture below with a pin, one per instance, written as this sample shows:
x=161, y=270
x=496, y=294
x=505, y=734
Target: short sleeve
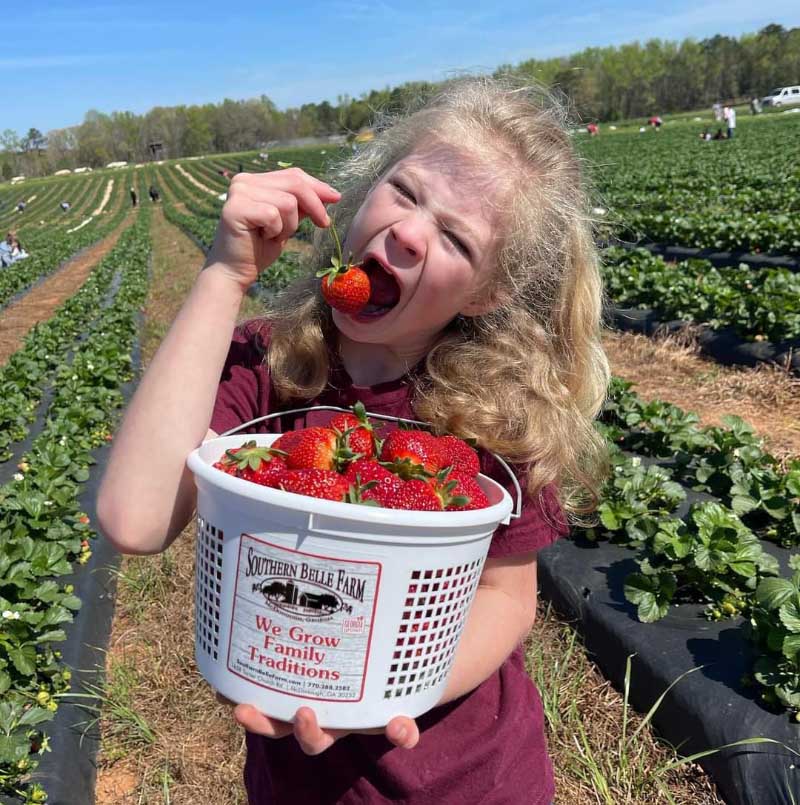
x=542, y=520
x=244, y=387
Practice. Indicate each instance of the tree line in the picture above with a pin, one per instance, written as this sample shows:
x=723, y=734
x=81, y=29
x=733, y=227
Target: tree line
x=608, y=83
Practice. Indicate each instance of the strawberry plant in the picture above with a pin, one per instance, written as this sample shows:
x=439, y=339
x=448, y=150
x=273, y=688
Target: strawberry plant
x=635, y=501
x=43, y=532
x=775, y=625
x=712, y=558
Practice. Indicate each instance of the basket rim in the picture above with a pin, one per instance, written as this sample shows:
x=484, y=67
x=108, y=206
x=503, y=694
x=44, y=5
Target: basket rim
x=498, y=513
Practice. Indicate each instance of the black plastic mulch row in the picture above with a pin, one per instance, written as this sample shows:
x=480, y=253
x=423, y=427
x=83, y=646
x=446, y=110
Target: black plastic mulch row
x=718, y=258
x=724, y=346
x=709, y=708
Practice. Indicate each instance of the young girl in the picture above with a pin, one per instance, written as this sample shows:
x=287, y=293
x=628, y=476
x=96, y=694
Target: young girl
x=470, y=215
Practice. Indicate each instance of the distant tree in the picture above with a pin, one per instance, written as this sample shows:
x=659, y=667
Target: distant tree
x=10, y=141
x=7, y=170
x=34, y=140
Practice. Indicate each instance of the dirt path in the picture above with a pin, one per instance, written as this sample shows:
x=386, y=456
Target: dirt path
x=767, y=398
x=40, y=303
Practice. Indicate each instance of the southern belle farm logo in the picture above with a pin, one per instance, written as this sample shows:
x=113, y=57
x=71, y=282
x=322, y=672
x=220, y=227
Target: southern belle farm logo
x=302, y=623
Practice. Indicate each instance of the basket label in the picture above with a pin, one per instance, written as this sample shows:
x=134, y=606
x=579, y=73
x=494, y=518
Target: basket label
x=302, y=623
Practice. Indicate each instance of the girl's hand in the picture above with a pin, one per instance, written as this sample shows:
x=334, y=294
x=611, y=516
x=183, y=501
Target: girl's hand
x=402, y=731
x=262, y=212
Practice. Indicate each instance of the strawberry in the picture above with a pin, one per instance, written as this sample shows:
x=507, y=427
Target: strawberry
x=345, y=286
x=467, y=489
x=415, y=495
x=315, y=448
x=364, y=471
x=411, y=453
x=324, y=484
x=261, y=465
x=288, y=440
x=357, y=430
x=457, y=454
x=321, y=449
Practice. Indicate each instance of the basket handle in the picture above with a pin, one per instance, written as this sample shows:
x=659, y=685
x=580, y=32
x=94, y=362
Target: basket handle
x=517, y=512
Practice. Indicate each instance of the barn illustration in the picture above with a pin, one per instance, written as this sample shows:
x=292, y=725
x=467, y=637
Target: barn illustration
x=287, y=592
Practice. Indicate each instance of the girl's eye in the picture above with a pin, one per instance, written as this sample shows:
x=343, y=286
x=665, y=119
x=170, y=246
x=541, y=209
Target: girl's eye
x=457, y=242
x=402, y=190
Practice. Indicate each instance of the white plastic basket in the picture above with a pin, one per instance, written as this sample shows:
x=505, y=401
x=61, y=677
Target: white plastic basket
x=355, y=611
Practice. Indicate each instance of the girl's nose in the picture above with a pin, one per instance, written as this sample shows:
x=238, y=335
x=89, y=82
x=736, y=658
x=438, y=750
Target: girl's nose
x=409, y=236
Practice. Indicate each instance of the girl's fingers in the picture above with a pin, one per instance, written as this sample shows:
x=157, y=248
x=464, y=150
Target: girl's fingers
x=312, y=193
x=312, y=739
x=304, y=201
x=246, y=215
x=402, y=731
x=254, y=721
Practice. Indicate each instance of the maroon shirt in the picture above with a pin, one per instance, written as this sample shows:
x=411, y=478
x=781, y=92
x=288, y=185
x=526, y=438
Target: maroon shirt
x=487, y=747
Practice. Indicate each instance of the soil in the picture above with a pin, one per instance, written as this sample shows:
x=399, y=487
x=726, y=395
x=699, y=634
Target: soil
x=40, y=303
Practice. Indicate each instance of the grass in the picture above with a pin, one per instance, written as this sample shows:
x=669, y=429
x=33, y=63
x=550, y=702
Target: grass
x=603, y=752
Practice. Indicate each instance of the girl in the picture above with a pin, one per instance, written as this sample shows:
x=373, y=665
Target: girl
x=470, y=215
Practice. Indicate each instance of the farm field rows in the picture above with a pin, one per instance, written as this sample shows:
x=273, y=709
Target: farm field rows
x=62, y=398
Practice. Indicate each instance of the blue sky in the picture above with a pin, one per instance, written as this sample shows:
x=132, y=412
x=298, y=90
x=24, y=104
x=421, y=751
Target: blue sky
x=60, y=59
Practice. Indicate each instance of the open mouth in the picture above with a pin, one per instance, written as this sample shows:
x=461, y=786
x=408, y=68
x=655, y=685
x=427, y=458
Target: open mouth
x=384, y=290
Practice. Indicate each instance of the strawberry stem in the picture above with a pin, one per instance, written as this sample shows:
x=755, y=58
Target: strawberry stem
x=336, y=240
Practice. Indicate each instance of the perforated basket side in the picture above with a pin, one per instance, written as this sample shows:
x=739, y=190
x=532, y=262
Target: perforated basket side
x=208, y=587
x=433, y=617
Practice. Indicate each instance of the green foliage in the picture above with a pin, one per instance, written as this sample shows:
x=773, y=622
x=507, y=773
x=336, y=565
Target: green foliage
x=755, y=303
x=775, y=624
x=42, y=531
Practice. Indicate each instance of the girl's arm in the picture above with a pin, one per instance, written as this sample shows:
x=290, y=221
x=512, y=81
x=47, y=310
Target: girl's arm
x=147, y=495
x=501, y=616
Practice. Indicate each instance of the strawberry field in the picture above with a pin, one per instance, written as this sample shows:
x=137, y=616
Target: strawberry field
x=697, y=537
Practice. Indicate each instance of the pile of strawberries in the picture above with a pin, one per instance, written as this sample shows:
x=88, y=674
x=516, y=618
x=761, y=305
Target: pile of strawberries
x=347, y=461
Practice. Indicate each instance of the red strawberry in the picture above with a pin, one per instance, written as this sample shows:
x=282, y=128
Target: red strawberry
x=357, y=430
x=345, y=286
x=457, y=454
x=415, y=495
x=261, y=465
x=288, y=440
x=324, y=484
x=268, y=474
x=470, y=490
x=314, y=449
x=365, y=471
x=319, y=449
x=411, y=453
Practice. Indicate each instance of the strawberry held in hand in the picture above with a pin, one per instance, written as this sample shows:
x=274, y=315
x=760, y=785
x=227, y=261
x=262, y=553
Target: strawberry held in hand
x=345, y=286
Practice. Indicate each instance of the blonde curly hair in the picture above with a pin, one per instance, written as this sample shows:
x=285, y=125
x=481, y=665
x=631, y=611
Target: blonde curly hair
x=543, y=373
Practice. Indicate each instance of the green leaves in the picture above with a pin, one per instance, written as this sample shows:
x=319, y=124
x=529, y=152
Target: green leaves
x=652, y=594
x=755, y=303
x=42, y=531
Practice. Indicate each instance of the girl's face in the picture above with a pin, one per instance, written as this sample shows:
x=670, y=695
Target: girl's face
x=426, y=233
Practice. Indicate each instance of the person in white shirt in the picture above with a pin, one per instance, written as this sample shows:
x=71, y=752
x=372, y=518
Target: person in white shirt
x=730, y=117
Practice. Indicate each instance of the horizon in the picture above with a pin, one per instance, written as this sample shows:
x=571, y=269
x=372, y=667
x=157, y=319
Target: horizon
x=125, y=58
